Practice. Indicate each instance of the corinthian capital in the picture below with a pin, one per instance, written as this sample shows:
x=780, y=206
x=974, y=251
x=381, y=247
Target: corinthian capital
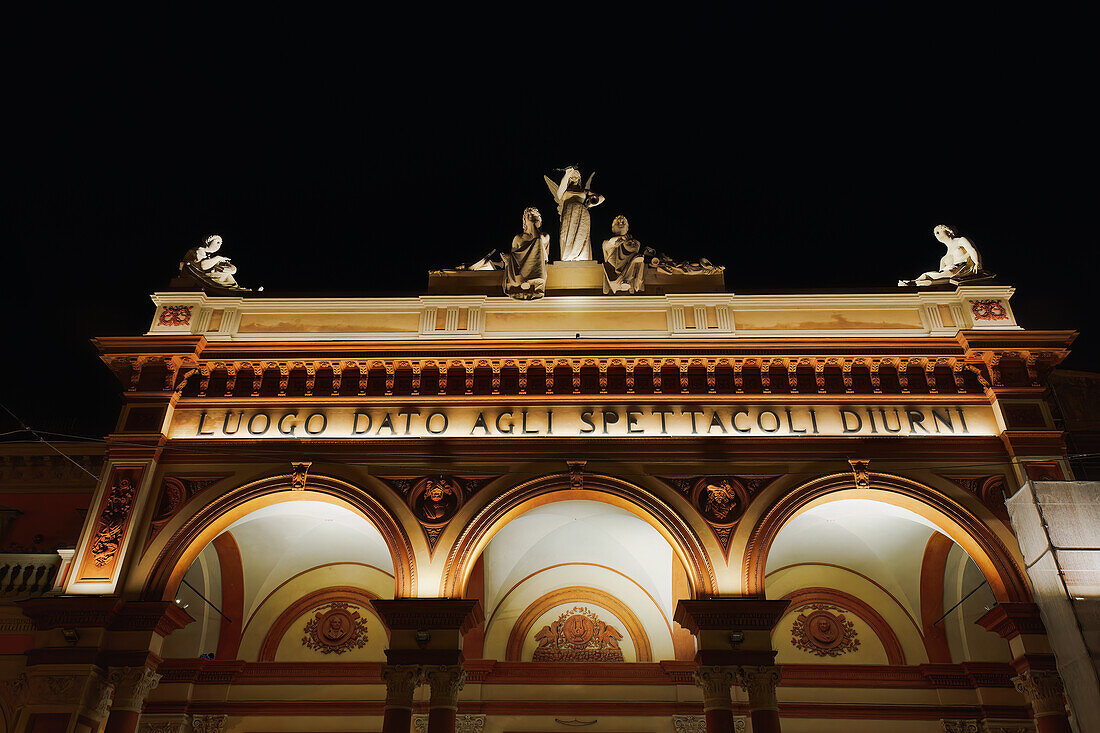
x=445, y=681
x=132, y=686
x=716, y=683
x=1043, y=689
x=760, y=683
x=401, y=682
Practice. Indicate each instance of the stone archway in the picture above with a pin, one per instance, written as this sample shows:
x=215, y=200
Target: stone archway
x=594, y=487
x=200, y=529
x=1005, y=577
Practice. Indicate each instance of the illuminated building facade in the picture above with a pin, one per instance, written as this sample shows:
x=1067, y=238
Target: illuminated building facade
x=685, y=510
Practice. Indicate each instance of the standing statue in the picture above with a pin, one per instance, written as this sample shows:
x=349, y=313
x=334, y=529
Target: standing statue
x=623, y=260
x=525, y=265
x=574, y=201
x=960, y=263
x=200, y=263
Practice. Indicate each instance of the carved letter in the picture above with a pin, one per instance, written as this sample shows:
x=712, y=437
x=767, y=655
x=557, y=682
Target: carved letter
x=760, y=421
x=408, y=418
x=202, y=420
x=844, y=413
x=632, y=421
x=614, y=418
x=355, y=425
x=511, y=424
x=586, y=418
x=733, y=420
x=918, y=423
x=662, y=413
x=252, y=421
x=324, y=423
x=790, y=423
x=428, y=423
x=945, y=418
x=282, y=420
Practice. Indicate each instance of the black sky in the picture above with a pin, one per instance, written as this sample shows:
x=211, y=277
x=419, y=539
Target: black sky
x=802, y=147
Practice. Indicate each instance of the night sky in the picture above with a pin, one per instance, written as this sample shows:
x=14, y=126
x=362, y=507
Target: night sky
x=803, y=148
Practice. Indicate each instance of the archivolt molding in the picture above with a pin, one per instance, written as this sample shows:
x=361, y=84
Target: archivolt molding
x=578, y=595
x=992, y=556
x=175, y=557
x=480, y=529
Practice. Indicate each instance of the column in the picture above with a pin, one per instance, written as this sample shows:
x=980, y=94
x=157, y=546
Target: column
x=1043, y=690
x=445, y=682
x=1037, y=675
x=717, y=701
x=760, y=683
x=401, y=682
x=425, y=636
x=733, y=638
x=132, y=685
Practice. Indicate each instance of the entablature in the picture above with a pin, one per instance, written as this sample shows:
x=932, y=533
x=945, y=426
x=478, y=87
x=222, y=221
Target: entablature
x=722, y=317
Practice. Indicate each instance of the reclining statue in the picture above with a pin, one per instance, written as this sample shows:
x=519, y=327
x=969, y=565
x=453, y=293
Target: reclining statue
x=960, y=264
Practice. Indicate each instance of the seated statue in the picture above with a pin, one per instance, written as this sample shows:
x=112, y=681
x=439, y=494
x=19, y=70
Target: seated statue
x=961, y=263
x=525, y=264
x=623, y=261
x=203, y=265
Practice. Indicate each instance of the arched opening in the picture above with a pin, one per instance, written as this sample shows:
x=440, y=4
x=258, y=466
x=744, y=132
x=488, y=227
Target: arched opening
x=200, y=530
x=515, y=502
x=1006, y=579
x=289, y=581
x=896, y=573
x=577, y=580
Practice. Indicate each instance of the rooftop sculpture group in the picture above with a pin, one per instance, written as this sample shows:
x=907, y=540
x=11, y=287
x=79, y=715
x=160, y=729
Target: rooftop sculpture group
x=625, y=261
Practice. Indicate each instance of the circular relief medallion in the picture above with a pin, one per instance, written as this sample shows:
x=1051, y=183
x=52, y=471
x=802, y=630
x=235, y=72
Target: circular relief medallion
x=335, y=629
x=435, y=500
x=824, y=632
x=721, y=500
x=578, y=629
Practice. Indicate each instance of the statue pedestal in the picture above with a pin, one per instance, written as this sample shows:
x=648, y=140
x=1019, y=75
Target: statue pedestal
x=569, y=278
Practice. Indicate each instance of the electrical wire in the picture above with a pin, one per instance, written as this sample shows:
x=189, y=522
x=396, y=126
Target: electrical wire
x=23, y=425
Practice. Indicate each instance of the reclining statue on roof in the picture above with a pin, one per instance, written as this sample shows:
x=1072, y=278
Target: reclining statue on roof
x=960, y=264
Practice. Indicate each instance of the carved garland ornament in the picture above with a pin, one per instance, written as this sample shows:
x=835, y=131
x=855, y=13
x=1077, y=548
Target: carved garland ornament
x=578, y=636
x=988, y=310
x=175, y=315
x=823, y=632
x=336, y=628
x=108, y=533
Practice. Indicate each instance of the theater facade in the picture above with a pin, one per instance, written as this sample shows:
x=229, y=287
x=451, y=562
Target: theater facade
x=681, y=509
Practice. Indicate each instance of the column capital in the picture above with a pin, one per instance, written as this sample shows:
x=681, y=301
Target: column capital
x=1009, y=620
x=759, y=681
x=401, y=683
x=209, y=723
x=1043, y=689
x=428, y=613
x=716, y=682
x=445, y=680
x=729, y=614
x=132, y=685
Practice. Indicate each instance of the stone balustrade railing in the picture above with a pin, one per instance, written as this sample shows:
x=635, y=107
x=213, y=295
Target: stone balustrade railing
x=23, y=575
